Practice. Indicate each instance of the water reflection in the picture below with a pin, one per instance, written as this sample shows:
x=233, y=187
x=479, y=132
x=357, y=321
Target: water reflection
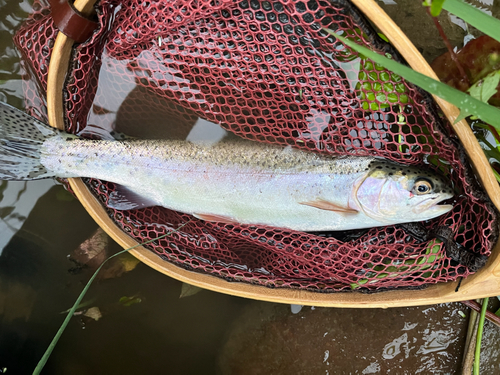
x=18, y=199
x=206, y=132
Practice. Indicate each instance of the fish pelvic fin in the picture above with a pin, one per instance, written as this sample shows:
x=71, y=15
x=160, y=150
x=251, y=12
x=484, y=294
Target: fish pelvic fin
x=123, y=198
x=216, y=218
x=323, y=204
x=21, y=140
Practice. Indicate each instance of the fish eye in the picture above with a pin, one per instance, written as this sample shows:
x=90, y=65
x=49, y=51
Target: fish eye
x=422, y=186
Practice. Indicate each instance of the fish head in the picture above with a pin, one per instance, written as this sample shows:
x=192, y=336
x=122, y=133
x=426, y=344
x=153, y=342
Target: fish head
x=394, y=193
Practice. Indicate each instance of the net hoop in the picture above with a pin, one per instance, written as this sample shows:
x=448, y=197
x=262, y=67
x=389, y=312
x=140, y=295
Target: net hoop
x=484, y=283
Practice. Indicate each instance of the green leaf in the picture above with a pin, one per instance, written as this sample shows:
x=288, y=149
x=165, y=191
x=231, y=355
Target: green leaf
x=497, y=176
x=129, y=301
x=487, y=113
x=463, y=114
x=383, y=37
x=436, y=7
x=481, y=21
x=485, y=88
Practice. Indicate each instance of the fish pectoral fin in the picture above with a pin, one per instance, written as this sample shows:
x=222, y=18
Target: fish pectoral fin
x=329, y=206
x=125, y=199
x=216, y=218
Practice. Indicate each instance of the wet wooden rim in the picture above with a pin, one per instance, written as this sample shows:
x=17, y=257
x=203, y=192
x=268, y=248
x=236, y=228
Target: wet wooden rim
x=484, y=283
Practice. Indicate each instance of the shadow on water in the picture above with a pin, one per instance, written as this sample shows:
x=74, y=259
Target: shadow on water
x=207, y=333
x=35, y=286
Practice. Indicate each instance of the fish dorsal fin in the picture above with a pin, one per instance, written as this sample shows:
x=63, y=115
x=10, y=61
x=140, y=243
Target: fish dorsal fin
x=125, y=199
x=216, y=218
x=323, y=204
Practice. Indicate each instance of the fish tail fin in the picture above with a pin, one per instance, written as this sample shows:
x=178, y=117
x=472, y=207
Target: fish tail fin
x=21, y=139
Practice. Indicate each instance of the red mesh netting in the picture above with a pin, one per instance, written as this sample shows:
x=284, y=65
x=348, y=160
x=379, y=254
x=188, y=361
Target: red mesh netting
x=265, y=71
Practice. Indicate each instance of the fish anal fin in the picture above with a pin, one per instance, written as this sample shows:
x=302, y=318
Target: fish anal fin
x=216, y=218
x=122, y=198
x=323, y=204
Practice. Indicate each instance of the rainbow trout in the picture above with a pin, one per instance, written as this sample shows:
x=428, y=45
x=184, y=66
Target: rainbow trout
x=240, y=182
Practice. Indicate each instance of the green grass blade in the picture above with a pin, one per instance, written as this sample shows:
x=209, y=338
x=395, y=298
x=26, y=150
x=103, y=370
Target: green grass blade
x=71, y=312
x=467, y=104
x=480, y=336
x=473, y=16
x=497, y=176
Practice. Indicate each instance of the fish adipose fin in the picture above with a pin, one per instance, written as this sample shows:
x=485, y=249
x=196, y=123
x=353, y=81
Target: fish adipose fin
x=216, y=218
x=125, y=199
x=329, y=206
x=21, y=139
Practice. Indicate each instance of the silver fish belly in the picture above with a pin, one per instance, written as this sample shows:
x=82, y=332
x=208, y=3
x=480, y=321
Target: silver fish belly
x=241, y=182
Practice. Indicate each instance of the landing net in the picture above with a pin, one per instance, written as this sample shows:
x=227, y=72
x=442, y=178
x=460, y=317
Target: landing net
x=268, y=72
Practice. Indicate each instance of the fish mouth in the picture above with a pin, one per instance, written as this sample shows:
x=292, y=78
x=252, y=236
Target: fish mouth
x=432, y=207
x=439, y=210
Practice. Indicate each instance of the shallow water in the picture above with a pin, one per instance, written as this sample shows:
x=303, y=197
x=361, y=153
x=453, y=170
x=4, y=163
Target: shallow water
x=355, y=341
x=207, y=333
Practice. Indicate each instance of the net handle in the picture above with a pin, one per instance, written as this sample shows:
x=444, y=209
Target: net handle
x=484, y=283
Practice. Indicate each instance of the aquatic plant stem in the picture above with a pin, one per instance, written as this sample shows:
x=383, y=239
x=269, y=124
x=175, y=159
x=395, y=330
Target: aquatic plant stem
x=480, y=336
x=471, y=329
x=72, y=311
x=452, y=53
x=477, y=307
x=470, y=347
